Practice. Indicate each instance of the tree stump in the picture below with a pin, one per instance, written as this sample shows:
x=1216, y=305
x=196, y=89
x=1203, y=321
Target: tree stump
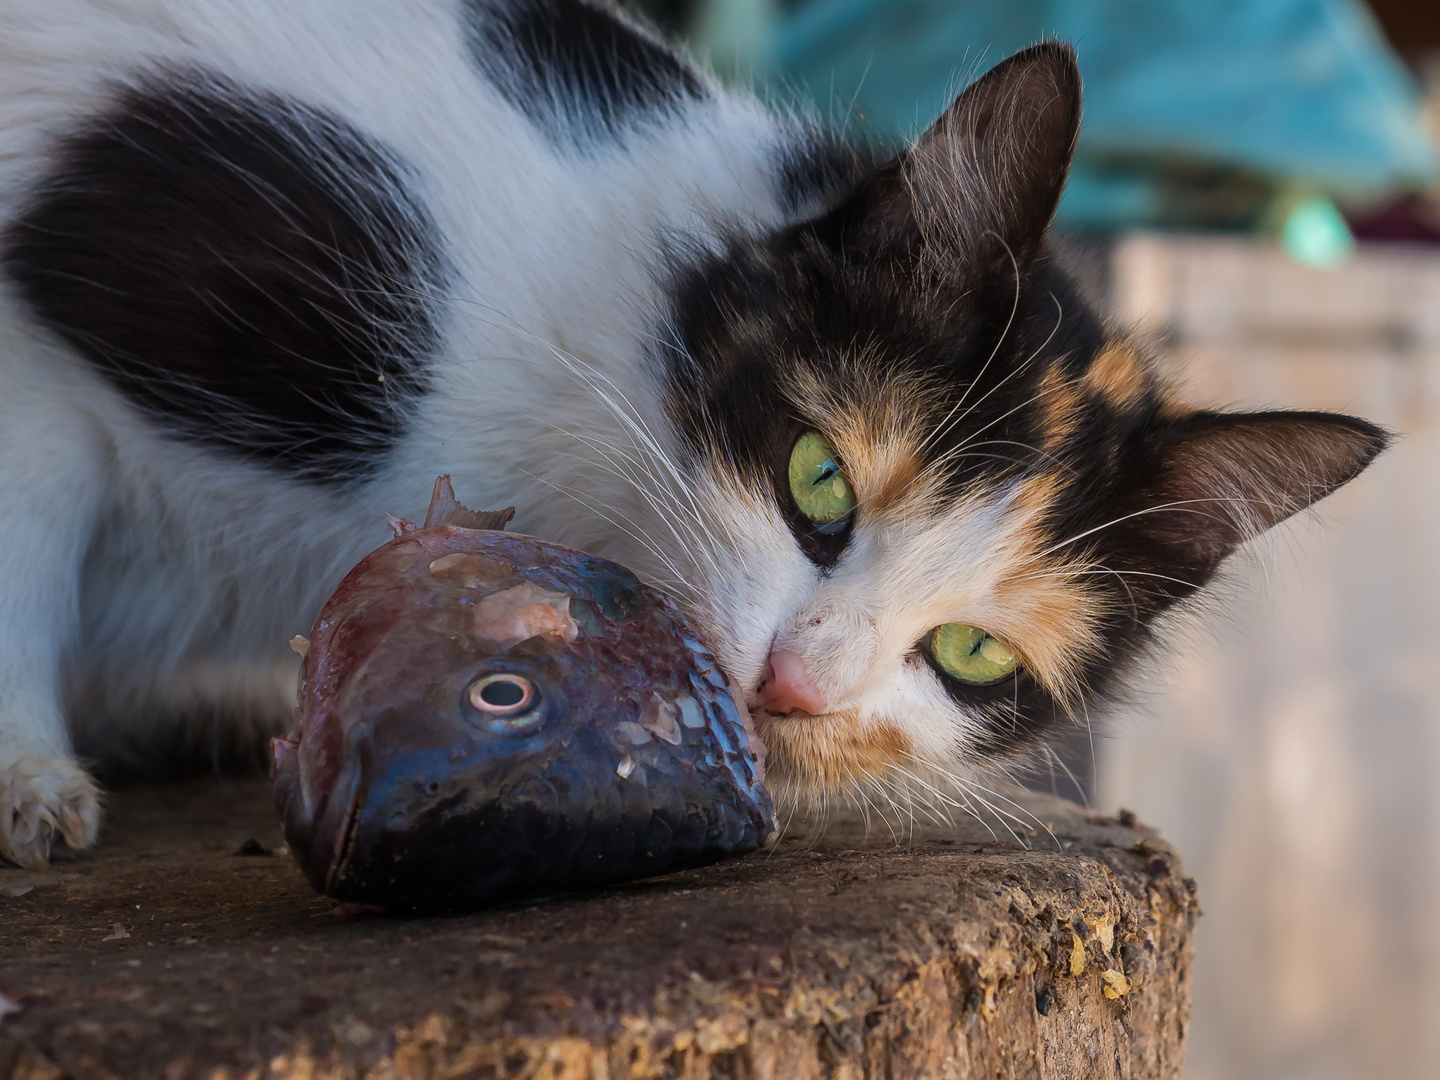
x=180, y=948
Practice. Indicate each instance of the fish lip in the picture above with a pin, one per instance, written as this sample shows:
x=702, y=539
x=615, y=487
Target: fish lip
x=320, y=832
x=344, y=842
x=357, y=774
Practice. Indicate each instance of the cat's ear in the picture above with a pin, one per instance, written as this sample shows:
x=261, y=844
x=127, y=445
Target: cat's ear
x=1218, y=479
x=979, y=188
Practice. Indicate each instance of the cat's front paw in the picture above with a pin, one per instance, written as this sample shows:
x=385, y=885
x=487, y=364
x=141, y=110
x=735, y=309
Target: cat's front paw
x=43, y=800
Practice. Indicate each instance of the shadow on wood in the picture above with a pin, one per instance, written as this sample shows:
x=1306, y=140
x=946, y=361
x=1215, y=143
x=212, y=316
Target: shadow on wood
x=178, y=949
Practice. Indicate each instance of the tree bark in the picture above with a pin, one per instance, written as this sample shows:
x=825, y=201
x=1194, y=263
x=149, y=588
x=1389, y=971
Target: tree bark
x=1063, y=952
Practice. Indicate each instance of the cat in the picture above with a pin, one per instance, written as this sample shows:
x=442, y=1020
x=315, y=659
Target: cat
x=267, y=267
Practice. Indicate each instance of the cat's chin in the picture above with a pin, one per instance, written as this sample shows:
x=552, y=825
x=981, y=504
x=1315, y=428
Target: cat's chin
x=808, y=757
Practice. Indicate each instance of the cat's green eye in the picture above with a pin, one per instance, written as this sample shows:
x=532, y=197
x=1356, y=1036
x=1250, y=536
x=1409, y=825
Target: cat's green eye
x=818, y=484
x=970, y=654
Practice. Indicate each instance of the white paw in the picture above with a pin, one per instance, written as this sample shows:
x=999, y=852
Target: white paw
x=43, y=800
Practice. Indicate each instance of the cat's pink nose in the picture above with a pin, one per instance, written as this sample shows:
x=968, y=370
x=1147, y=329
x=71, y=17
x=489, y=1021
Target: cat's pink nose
x=787, y=687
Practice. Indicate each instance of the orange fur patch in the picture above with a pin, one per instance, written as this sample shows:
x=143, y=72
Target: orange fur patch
x=1050, y=620
x=878, y=442
x=884, y=475
x=1059, y=400
x=815, y=754
x=1049, y=607
x=1117, y=375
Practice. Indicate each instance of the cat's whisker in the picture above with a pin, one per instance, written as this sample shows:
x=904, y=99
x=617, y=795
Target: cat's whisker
x=654, y=547
x=692, y=540
x=861, y=800
x=972, y=786
x=966, y=449
x=898, y=829
x=1008, y=772
x=1070, y=574
x=938, y=815
x=637, y=427
x=641, y=536
x=893, y=818
x=1136, y=573
x=1179, y=506
x=644, y=442
x=1052, y=759
x=1090, y=737
x=964, y=446
x=852, y=794
x=606, y=391
x=952, y=456
x=962, y=803
x=1026, y=819
x=1003, y=818
x=1020, y=367
x=601, y=385
x=942, y=427
x=782, y=830
x=609, y=464
x=969, y=440
x=855, y=791
x=905, y=789
x=950, y=801
x=821, y=822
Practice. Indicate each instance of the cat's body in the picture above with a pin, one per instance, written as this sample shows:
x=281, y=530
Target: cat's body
x=267, y=267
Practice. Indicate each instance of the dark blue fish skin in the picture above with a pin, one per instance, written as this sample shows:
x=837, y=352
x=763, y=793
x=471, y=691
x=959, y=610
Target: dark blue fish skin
x=397, y=791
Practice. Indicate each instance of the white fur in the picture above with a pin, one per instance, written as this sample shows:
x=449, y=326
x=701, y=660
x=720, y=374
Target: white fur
x=139, y=574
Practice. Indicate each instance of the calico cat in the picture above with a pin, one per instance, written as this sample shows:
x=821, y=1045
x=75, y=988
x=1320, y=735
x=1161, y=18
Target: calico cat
x=269, y=266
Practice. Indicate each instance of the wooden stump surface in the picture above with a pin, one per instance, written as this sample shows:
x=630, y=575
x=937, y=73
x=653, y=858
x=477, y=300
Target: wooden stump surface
x=953, y=954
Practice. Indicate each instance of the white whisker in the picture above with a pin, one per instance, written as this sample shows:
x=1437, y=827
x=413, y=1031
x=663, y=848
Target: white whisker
x=1179, y=506
x=941, y=427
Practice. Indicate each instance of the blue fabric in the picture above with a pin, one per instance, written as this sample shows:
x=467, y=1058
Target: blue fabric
x=1303, y=90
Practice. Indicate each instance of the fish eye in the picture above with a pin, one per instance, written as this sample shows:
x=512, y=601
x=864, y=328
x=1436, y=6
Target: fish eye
x=820, y=488
x=970, y=655
x=503, y=695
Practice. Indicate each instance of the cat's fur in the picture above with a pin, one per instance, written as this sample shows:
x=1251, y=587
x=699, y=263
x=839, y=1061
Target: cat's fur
x=268, y=266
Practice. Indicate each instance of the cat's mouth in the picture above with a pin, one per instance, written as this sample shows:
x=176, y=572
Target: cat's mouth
x=809, y=753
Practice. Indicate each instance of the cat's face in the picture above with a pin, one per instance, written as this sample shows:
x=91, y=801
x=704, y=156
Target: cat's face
x=934, y=505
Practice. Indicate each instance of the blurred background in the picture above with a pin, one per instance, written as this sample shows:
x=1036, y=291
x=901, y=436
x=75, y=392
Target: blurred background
x=1256, y=192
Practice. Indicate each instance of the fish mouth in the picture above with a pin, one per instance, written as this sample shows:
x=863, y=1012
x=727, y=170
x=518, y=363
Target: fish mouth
x=345, y=839
x=320, y=828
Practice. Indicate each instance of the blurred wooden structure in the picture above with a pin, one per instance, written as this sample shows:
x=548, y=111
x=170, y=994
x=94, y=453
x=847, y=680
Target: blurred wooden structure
x=1291, y=746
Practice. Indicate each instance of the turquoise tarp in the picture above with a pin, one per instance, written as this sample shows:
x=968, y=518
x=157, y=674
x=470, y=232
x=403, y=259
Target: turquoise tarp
x=1303, y=90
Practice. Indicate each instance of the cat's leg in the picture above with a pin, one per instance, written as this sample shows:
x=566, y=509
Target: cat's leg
x=51, y=486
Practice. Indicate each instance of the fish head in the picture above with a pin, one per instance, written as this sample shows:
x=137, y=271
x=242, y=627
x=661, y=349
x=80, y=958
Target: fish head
x=491, y=715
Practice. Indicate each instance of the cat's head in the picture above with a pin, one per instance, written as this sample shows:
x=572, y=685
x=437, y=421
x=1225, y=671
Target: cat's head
x=934, y=503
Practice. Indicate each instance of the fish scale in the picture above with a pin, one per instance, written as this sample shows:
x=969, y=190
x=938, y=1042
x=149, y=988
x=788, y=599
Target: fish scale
x=486, y=717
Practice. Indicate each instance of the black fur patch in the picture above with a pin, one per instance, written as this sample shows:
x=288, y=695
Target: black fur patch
x=817, y=172
x=251, y=271
x=578, y=71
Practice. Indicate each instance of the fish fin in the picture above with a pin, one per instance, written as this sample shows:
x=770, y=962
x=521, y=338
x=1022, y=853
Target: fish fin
x=446, y=510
